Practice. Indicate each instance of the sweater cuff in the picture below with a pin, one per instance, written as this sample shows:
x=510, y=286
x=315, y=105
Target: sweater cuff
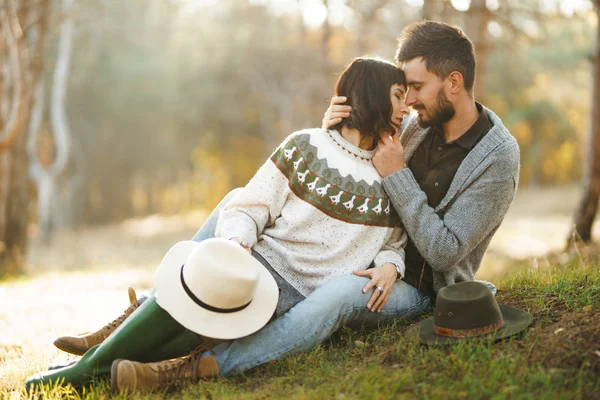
x=401, y=186
x=240, y=230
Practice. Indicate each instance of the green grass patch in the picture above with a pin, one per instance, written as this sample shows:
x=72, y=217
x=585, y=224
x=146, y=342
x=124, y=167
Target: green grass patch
x=558, y=357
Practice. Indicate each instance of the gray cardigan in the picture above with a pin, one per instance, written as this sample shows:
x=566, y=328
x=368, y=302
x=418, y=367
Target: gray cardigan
x=454, y=236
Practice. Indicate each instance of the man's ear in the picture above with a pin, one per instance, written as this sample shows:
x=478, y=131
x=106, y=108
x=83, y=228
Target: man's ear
x=455, y=82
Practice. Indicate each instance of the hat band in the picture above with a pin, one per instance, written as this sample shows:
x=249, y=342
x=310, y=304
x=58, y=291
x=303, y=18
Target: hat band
x=208, y=306
x=461, y=333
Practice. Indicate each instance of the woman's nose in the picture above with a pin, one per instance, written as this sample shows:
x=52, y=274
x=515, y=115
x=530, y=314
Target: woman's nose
x=404, y=109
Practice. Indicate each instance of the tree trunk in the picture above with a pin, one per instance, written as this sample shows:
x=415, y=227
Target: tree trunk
x=585, y=214
x=429, y=9
x=14, y=201
x=52, y=210
x=478, y=18
x=13, y=173
x=21, y=72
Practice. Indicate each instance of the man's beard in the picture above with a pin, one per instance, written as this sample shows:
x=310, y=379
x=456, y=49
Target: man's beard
x=443, y=112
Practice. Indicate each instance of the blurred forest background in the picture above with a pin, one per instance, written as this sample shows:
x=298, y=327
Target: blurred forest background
x=118, y=109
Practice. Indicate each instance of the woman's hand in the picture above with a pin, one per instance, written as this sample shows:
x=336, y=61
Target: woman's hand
x=335, y=112
x=382, y=280
x=242, y=242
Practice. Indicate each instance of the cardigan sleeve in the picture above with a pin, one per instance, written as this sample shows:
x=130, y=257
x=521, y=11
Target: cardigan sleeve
x=445, y=240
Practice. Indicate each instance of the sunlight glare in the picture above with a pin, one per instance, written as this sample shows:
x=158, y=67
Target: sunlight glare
x=314, y=14
x=193, y=6
x=495, y=29
x=568, y=8
x=461, y=5
x=492, y=5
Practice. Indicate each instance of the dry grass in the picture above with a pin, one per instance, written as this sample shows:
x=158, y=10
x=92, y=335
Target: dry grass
x=79, y=283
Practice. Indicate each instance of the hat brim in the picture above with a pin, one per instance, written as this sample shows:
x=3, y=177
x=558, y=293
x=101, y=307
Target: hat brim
x=515, y=321
x=171, y=296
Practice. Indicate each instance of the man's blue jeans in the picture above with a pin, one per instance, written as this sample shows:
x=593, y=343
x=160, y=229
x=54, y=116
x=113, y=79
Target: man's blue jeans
x=337, y=303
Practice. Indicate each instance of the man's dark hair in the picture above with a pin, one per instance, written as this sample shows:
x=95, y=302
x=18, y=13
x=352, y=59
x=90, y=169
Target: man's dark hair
x=444, y=49
x=366, y=83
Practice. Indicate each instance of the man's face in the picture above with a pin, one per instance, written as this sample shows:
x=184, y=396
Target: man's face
x=426, y=94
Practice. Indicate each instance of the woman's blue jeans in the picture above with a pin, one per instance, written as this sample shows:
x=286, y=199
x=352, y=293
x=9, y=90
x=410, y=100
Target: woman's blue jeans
x=337, y=303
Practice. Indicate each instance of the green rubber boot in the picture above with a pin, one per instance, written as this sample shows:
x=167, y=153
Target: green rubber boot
x=148, y=328
x=180, y=346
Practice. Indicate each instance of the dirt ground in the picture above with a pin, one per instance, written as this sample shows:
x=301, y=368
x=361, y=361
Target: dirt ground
x=568, y=343
x=558, y=338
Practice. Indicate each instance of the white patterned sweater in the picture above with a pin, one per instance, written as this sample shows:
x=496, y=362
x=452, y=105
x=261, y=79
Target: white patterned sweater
x=316, y=209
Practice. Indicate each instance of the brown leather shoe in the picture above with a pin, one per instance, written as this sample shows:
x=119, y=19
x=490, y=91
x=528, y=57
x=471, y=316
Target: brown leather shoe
x=132, y=376
x=80, y=344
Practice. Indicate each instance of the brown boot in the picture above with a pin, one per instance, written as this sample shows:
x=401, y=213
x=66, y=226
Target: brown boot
x=80, y=344
x=132, y=376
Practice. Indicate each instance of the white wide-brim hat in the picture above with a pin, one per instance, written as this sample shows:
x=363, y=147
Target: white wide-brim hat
x=215, y=288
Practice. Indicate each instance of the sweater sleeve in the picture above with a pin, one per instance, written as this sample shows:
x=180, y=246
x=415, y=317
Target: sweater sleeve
x=256, y=206
x=393, y=250
x=475, y=212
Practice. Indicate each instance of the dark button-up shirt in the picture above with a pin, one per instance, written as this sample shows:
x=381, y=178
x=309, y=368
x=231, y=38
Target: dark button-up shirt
x=434, y=165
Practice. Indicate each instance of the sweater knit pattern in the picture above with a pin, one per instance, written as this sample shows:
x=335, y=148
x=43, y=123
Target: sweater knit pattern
x=341, y=197
x=301, y=214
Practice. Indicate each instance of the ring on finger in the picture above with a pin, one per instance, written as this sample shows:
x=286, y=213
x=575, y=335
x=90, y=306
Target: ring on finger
x=380, y=289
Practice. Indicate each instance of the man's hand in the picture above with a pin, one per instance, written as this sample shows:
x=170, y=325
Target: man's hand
x=382, y=280
x=242, y=242
x=335, y=112
x=389, y=155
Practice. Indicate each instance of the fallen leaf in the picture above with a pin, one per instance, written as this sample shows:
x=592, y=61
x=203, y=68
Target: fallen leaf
x=559, y=330
x=587, y=309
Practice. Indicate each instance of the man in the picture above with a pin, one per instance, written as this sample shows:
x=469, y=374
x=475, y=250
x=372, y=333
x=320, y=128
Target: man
x=451, y=178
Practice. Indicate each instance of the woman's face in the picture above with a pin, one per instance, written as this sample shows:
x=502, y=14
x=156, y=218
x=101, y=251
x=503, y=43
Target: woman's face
x=399, y=108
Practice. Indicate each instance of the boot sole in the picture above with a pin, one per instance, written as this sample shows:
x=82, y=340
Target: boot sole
x=113, y=375
x=69, y=348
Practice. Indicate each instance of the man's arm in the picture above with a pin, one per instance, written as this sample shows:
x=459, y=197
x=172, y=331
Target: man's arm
x=476, y=211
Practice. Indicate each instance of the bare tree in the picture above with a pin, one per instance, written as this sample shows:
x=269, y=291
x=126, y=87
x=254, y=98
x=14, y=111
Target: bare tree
x=20, y=70
x=585, y=214
x=367, y=13
x=429, y=10
x=477, y=19
x=51, y=213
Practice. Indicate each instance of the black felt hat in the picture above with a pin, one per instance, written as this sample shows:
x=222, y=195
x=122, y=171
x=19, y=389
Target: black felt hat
x=469, y=309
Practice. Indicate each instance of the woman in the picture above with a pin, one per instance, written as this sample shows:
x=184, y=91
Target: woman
x=316, y=209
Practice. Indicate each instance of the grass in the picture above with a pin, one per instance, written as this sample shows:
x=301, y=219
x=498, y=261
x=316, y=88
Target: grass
x=558, y=357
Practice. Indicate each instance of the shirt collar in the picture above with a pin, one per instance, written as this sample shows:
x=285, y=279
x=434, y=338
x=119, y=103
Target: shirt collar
x=475, y=132
x=468, y=139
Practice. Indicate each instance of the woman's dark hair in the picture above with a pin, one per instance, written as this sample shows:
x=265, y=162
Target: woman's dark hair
x=366, y=83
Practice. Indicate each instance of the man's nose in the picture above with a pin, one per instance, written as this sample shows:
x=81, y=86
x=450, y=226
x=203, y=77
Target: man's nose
x=410, y=99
